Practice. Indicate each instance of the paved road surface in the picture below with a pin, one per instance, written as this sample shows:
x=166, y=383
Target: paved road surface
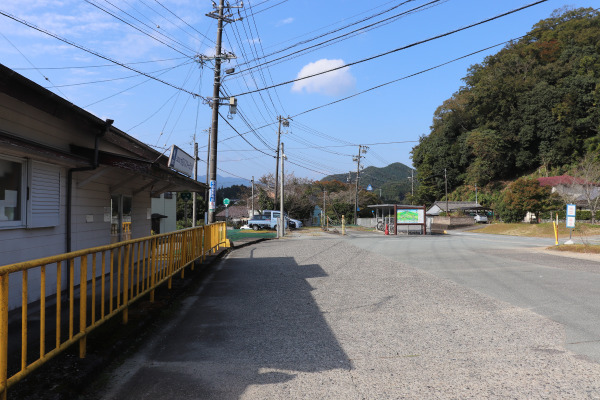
x=512, y=269
x=320, y=317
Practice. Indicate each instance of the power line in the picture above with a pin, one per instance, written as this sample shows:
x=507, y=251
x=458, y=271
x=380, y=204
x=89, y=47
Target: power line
x=339, y=29
x=406, y=77
x=113, y=79
x=398, y=49
x=95, y=53
x=139, y=29
x=30, y=63
x=98, y=66
x=176, y=16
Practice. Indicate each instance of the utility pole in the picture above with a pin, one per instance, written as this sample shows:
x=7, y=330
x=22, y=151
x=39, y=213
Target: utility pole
x=195, y=178
x=446, y=184
x=323, y=216
x=281, y=225
x=252, y=216
x=361, y=150
x=412, y=185
x=206, y=193
x=218, y=14
x=286, y=123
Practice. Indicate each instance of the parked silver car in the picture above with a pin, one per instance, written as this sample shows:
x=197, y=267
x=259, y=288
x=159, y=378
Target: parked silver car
x=481, y=218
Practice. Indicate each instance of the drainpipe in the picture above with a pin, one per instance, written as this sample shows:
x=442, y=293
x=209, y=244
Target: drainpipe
x=94, y=165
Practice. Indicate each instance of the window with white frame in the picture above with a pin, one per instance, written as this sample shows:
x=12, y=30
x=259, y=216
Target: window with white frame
x=13, y=172
x=29, y=193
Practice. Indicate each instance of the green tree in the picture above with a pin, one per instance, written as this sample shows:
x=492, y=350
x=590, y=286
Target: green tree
x=523, y=195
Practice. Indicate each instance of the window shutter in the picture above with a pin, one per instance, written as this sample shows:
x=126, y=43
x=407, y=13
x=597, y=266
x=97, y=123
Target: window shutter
x=44, y=195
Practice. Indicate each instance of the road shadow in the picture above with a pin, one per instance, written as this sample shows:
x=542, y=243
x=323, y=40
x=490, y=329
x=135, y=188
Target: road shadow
x=255, y=323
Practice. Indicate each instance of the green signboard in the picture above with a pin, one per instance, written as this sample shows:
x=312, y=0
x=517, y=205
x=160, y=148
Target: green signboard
x=226, y=201
x=414, y=216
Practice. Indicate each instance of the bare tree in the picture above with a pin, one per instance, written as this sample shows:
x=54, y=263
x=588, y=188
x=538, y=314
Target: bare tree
x=587, y=175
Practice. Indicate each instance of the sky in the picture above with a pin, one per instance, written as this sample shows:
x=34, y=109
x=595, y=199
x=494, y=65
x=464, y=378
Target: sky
x=147, y=65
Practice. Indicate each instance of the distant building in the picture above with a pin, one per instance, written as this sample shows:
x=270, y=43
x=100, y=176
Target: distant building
x=453, y=206
x=237, y=214
x=570, y=188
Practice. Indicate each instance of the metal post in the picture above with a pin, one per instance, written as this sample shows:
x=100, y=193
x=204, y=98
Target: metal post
x=215, y=117
x=194, y=217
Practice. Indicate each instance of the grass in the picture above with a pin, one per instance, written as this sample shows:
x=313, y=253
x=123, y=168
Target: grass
x=237, y=234
x=578, y=248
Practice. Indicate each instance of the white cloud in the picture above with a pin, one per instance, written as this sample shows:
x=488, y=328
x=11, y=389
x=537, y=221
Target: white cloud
x=332, y=83
x=285, y=21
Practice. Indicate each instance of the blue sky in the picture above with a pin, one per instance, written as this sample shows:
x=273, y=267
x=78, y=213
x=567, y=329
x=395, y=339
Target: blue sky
x=317, y=143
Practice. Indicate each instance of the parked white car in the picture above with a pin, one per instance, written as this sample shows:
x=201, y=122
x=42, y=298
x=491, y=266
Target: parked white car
x=294, y=223
x=481, y=218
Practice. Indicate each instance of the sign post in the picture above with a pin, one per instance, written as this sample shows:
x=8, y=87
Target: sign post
x=571, y=217
x=226, y=202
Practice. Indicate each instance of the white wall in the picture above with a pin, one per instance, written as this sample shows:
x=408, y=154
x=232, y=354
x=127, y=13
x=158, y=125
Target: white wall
x=166, y=207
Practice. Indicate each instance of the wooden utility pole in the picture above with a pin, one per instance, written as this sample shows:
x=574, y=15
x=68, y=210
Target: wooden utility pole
x=361, y=150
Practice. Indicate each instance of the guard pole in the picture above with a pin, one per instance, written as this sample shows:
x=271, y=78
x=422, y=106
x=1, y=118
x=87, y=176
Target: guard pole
x=343, y=225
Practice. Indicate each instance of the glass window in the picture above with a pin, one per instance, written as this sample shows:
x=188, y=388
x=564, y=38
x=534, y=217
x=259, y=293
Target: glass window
x=11, y=192
x=121, y=218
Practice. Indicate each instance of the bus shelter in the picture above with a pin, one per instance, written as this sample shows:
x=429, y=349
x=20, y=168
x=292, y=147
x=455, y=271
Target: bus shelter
x=396, y=216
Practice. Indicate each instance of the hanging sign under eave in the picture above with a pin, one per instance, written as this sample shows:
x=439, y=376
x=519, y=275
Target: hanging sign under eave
x=181, y=161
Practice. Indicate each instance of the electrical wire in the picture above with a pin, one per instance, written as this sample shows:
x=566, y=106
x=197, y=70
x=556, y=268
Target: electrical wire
x=340, y=29
x=95, y=53
x=98, y=66
x=398, y=49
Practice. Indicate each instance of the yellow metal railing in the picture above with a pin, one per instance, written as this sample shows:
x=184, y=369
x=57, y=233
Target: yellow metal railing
x=110, y=279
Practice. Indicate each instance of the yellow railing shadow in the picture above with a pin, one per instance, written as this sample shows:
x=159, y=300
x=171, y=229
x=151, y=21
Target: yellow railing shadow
x=111, y=277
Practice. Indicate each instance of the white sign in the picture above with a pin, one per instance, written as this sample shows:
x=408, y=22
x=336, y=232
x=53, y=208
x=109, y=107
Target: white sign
x=212, y=196
x=181, y=161
x=571, y=213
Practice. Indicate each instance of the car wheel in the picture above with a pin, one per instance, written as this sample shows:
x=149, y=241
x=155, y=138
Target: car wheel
x=255, y=227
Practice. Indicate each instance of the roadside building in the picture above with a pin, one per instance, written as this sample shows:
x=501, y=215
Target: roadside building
x=69, y=180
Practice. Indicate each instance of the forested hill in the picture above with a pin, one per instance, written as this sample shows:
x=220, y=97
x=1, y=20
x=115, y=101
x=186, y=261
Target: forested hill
x=392, y=180
x=535, y=104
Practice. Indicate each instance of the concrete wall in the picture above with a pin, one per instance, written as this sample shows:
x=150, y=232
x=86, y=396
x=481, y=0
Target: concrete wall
x=451, y=222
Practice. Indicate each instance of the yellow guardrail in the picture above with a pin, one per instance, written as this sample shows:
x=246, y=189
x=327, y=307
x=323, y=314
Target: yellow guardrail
x=120, y=274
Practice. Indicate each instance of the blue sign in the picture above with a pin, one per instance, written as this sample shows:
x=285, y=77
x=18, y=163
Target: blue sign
x=369, y=188
x=212, y=196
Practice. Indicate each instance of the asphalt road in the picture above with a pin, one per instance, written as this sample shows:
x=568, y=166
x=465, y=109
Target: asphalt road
x=512, y=269
x=370, y=317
